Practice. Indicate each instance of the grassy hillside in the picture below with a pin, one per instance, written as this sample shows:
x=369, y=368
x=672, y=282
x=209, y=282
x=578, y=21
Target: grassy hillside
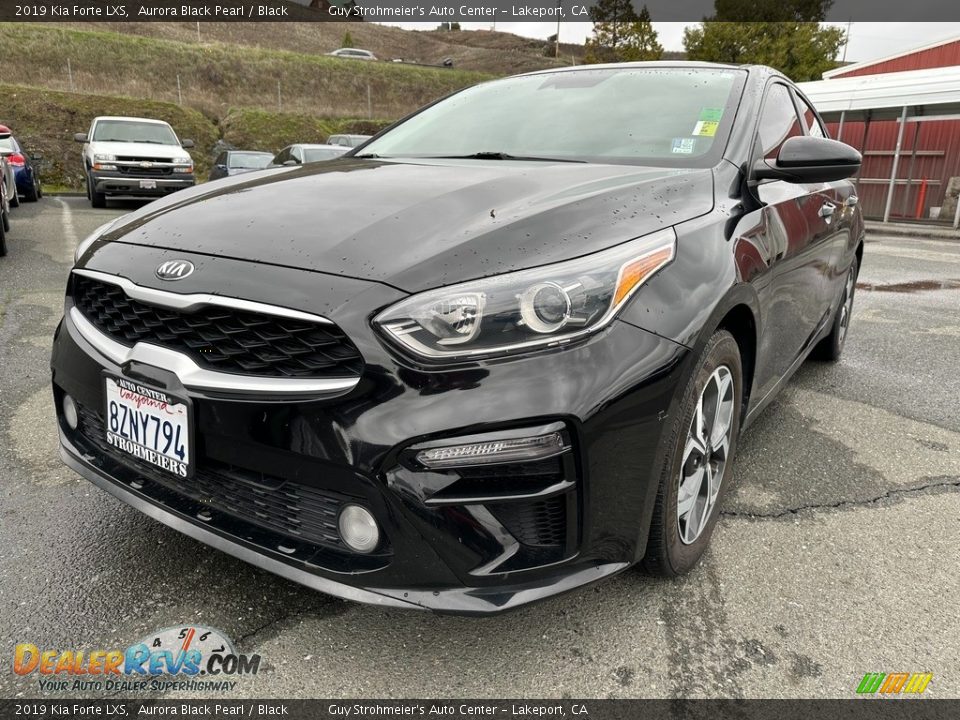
x=490, y=52
x=215, y=77
x=45, y=121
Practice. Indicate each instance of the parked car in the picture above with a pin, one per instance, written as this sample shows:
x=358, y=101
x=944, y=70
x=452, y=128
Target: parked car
x=26, y=179
x=348, y=141
x=10, y=182
x=237, y=162
x=133, y=156
x=4, y=206
x=482, y=362
x=353, y=54
x=303, y=153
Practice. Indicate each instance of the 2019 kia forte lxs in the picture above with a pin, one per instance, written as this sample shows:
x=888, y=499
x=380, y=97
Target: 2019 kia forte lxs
x=508, y=354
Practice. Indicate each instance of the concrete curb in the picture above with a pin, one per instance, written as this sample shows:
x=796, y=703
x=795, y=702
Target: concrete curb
x=919, y=230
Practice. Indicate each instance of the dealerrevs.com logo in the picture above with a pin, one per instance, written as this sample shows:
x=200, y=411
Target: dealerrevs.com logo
x=191, y=658
x=891, y=684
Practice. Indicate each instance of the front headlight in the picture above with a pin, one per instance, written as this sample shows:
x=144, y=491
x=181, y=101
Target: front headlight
x=93, y=237
x=527, y=309
x=99, y=158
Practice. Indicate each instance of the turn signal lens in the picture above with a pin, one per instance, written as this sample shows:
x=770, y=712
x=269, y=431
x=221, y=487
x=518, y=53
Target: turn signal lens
x=636, y=271
x=493, y=452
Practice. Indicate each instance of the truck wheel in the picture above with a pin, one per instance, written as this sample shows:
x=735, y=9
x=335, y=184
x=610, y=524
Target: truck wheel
x=97, y=199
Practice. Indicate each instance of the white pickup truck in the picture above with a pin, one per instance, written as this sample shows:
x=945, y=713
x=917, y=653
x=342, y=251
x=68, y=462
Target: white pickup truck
x=133, y=156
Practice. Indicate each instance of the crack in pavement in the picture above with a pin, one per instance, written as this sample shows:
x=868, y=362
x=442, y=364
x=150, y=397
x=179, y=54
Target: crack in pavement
x=333, y=608
x=893, y=492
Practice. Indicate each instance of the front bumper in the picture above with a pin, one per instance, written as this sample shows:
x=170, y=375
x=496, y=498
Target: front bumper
x=445, y=549
x=116, y=183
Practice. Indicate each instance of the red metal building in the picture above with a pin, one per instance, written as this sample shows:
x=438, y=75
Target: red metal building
x=930, y=151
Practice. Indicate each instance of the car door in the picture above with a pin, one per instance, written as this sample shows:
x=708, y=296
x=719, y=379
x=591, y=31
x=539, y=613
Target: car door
x=839, y=199
x=794, y=241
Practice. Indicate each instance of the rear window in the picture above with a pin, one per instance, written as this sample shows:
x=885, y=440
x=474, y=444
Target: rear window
x=318, y=154
x=249, y=161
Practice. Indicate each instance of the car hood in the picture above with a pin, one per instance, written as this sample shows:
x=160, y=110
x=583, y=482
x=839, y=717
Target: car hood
x=150, y=150
x=416, y=225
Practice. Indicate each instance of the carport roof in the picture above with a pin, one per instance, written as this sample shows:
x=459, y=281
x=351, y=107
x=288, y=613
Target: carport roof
x=930, y=93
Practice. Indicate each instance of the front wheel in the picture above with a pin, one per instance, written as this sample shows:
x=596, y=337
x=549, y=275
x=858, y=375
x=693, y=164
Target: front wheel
x=3, y=236
x=697, y=467
x=97, y=199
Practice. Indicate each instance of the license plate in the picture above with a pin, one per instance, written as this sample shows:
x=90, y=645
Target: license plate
x=148, y=184
x=149, y=424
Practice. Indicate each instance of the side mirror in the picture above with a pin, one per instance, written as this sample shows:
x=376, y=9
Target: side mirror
x=221, y=166
x=80, y=137
x=290, y=162
x=186, y=143
x=804, y=159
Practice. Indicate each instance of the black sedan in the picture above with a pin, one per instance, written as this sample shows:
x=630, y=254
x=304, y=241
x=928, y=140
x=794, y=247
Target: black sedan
x=504, y=357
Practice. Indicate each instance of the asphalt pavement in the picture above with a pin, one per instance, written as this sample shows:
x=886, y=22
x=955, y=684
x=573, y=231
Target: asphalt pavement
x=836, y=554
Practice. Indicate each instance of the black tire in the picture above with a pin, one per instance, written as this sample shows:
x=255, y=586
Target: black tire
x=97, y=199
x=3, y=236
x=831, y=347
x=32, y=195
x=667, y=553
x=6, y=217
x=15, y=200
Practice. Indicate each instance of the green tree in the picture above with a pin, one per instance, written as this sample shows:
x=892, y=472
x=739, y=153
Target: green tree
x=620, y=34
x=347, y=41
x=785, y=35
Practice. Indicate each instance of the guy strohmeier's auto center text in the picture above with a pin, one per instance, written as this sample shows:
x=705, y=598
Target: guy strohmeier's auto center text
x=243, y=10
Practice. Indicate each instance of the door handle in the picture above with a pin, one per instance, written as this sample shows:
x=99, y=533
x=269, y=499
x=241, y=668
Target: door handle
x=827, y=210
x=851, y=200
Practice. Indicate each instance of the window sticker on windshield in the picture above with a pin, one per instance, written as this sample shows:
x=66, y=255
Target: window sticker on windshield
x=683, y=146
x=705, y=128
x=711, y=114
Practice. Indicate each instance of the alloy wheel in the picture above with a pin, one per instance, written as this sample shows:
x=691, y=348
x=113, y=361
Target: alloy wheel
x=705, y=455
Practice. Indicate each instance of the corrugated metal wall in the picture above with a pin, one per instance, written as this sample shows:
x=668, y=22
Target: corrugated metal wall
x=930, y=150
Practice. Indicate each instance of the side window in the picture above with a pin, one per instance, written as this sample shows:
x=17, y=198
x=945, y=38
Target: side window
x=297, y=155
x=282, y=156
x=221, y=159
x=778, y=122
x=810, y=120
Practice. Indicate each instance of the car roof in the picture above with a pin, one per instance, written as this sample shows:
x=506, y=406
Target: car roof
x=126, y=117
x=251, y=152
x=317, y=146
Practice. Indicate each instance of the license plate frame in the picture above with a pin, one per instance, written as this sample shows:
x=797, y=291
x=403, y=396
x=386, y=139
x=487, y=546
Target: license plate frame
x=148, y=184
x=153, y=400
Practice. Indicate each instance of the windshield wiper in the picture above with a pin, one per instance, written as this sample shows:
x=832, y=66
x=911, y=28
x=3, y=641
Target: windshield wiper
x=504, y=156
x=369, y=156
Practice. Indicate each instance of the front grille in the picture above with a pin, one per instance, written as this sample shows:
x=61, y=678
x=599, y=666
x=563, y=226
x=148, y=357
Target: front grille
x=289, y=509
x=220, y=338
x=144, y=172
x=540, y=523
x=137, y=159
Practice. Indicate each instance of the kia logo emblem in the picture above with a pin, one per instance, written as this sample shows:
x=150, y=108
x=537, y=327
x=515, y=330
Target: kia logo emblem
x=175, y=269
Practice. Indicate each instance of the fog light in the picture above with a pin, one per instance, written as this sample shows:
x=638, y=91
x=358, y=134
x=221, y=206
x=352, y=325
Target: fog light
x=358, y=529
x=70, y=412
x=493, y=451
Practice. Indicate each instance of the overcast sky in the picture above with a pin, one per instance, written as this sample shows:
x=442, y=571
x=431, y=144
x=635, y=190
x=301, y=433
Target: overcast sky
x=867, y=40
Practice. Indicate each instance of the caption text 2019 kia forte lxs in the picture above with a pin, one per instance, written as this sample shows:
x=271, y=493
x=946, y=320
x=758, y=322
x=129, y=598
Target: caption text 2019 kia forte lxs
x=502, y=350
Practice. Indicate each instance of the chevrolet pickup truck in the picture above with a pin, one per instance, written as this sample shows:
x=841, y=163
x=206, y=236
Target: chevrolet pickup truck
x=134, y=157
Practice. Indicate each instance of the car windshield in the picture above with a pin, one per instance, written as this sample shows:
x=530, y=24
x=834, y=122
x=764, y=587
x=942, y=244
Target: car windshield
x=318, y=154
x=134, y=132
x=249, y=161
x=675, y=116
